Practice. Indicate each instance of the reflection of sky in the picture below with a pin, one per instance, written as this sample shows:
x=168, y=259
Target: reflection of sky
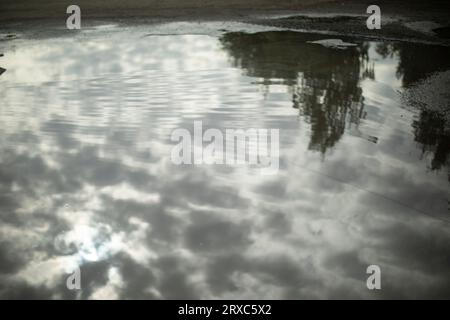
x=86, y=179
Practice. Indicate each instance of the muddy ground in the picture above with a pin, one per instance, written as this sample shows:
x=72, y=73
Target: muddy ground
x=429, y=18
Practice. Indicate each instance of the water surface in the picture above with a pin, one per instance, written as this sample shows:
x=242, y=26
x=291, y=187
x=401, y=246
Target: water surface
x=86, y=177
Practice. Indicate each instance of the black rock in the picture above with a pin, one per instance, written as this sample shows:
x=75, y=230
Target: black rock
x=2, y=70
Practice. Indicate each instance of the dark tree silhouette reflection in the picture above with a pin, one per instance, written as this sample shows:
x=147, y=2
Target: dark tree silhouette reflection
x=324, y=82
x=430, y=129
x=410, y=55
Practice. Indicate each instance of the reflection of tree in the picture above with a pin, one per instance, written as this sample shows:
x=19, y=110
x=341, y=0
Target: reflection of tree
x=416, y=62
x=324, y=82
x=431, y=131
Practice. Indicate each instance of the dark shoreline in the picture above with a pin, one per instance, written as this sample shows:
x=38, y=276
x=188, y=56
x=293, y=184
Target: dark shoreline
x=338, y=18
x=21, y=10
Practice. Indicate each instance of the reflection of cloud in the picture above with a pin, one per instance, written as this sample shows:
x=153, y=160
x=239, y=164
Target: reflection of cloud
x=213, y=235
x=85, y=179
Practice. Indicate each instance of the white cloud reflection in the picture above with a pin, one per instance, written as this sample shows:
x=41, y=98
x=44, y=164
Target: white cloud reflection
x=86, y=180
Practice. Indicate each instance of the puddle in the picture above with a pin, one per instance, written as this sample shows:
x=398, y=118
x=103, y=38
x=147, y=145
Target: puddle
x=86, y=177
